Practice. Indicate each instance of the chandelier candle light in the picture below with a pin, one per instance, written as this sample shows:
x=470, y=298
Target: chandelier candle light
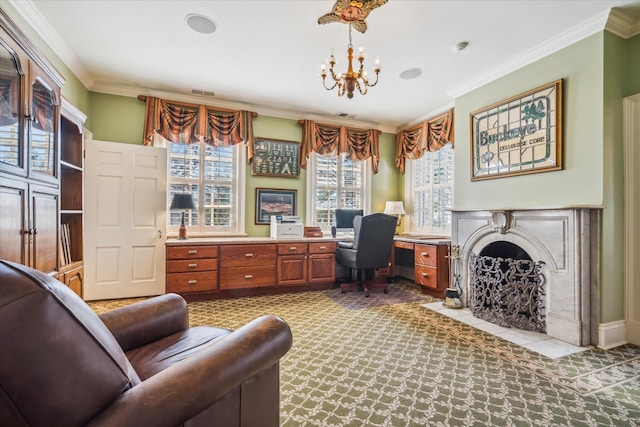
x=349, y=81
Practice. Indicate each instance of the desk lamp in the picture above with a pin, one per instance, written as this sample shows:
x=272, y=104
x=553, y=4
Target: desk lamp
x=182, y=201
x=395, y=208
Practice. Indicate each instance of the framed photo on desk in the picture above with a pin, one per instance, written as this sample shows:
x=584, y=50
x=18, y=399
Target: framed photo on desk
x=270, y=201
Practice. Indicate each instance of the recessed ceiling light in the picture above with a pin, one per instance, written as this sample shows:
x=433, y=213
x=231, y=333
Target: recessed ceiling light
x=459, y=46
x=410, y=73
x=200, y=23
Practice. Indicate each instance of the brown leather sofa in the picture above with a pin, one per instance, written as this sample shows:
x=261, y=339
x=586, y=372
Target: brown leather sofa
x=140, y=365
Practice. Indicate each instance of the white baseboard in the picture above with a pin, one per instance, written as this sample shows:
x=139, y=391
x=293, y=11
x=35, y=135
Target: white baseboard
x=612, y=334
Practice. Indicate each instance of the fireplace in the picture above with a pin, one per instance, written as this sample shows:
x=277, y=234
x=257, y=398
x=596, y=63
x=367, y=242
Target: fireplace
x=531, y=269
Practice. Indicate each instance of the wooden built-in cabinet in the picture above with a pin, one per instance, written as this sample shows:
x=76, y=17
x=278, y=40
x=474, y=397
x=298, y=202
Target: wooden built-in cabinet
x=432, y=268
x=192, y=269
x=29, y=152
x=215, y=270
x=247, y=266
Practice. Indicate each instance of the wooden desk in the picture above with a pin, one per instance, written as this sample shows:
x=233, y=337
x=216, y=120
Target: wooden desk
x=424, y=260
x=208, y=268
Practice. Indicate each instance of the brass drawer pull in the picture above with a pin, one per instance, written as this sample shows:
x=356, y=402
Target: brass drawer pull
x=248, y=276
x=292, y=248
x=425, y=275
x=193, y=252
x=323, y=247
x=248, y=255
x=425, y=254
x=192, y=265
x=192, y=282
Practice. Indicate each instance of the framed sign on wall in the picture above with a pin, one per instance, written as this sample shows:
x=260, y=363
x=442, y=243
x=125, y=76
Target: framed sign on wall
x=519, y=135
x=270, y=201
x=274, y=157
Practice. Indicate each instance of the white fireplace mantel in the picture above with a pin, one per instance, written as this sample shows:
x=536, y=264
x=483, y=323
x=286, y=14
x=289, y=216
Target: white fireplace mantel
x=566, y=240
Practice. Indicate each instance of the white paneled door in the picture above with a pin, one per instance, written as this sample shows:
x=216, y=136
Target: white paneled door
x=125, y=220
x=632, y=213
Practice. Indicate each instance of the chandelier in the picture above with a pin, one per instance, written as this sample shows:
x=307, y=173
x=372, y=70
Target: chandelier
x=349, y=81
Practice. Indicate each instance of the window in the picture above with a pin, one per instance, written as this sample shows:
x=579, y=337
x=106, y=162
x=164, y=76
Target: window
x=215, y=178
x=336, y=182
x=429, y=192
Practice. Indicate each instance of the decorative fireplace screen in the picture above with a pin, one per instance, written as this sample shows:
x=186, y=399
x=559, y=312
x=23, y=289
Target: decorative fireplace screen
x=507, y=292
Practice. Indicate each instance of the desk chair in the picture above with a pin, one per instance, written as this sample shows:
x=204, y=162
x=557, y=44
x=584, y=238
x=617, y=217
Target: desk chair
x=371, y=248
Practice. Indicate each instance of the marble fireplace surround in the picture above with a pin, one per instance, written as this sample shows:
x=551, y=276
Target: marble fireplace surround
x=565, y=239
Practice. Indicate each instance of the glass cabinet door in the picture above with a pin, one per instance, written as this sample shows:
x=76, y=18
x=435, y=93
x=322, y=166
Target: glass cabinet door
x=11, y=147
x=43, y=128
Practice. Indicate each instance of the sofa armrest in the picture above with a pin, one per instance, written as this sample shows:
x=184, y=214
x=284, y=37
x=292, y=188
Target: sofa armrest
x=147, y=321
x=190, y=386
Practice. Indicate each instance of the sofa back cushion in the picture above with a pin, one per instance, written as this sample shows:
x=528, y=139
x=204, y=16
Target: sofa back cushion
x=59, y=364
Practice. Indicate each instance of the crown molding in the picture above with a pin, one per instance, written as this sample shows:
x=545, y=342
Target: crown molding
x=565, y=39
x=622, y=25
x=27, y=10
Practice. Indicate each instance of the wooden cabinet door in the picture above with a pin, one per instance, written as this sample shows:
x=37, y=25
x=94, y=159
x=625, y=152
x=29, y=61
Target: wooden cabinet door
x=14, y=220
x=12, y=72
x=322, y=268
x=292, y=269
x=44, y=228
x=44, y=119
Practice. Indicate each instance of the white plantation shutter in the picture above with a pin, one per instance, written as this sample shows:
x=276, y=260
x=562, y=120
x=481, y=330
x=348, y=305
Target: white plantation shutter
x=429, y=192
x=336, y=182
x=212, y=176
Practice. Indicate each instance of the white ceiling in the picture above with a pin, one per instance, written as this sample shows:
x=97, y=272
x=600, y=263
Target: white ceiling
x=265, y=55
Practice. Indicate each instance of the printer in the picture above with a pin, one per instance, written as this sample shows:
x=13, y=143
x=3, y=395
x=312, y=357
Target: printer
x=286, y=226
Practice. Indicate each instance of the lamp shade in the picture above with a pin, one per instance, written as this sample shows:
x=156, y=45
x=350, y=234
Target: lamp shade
x=182, y=201
x=394, y=208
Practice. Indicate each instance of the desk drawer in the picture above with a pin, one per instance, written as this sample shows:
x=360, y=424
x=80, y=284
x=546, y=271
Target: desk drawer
x=403, y=245
x=427, y=276
x=191, y=252
x=247, y=277
x=292, y=248
x=426, y=255
x=248, y=256
x=192, y=282
x=322, y=248
x=188, y=265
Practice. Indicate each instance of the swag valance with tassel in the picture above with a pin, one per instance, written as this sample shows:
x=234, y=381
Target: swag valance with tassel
x=431, y=135
x=331, y=140
x=186, y=123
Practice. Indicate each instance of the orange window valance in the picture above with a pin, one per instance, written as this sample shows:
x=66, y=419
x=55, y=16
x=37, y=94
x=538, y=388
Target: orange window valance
x=188, y=123
x=331, y=140
x=430, y=135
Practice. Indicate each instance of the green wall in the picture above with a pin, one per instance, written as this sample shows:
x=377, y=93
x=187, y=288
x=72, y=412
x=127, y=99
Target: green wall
x=117, y=118
x=632, y=66
x=580, y=180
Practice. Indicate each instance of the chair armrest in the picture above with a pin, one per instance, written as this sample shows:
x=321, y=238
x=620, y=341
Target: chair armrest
x=185, y=389
x=147, y=321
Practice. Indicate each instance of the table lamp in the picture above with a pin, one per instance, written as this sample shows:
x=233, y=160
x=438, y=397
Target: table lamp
x=395, y=208
x=182, y=201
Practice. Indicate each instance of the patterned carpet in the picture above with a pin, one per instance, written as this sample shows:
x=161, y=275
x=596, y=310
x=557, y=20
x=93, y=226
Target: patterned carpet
x=358, y=362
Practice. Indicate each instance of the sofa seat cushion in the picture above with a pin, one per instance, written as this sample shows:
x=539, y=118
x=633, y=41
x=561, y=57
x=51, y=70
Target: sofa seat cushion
x=152, y=358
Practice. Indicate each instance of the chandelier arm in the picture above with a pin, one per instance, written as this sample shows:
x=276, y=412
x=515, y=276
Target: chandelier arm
x=327, y=87
x=374, y=83
x=361, y=88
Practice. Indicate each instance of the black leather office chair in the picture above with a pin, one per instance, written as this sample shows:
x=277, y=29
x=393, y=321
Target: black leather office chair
x=373, y=239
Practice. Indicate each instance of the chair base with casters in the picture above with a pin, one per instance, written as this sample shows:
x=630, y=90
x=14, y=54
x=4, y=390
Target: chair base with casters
x=371, y=248
x=363, y=284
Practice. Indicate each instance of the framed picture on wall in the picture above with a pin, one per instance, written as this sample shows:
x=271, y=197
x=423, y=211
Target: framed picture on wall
x=519, y=135
x=271, y=201
x=274, y=157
